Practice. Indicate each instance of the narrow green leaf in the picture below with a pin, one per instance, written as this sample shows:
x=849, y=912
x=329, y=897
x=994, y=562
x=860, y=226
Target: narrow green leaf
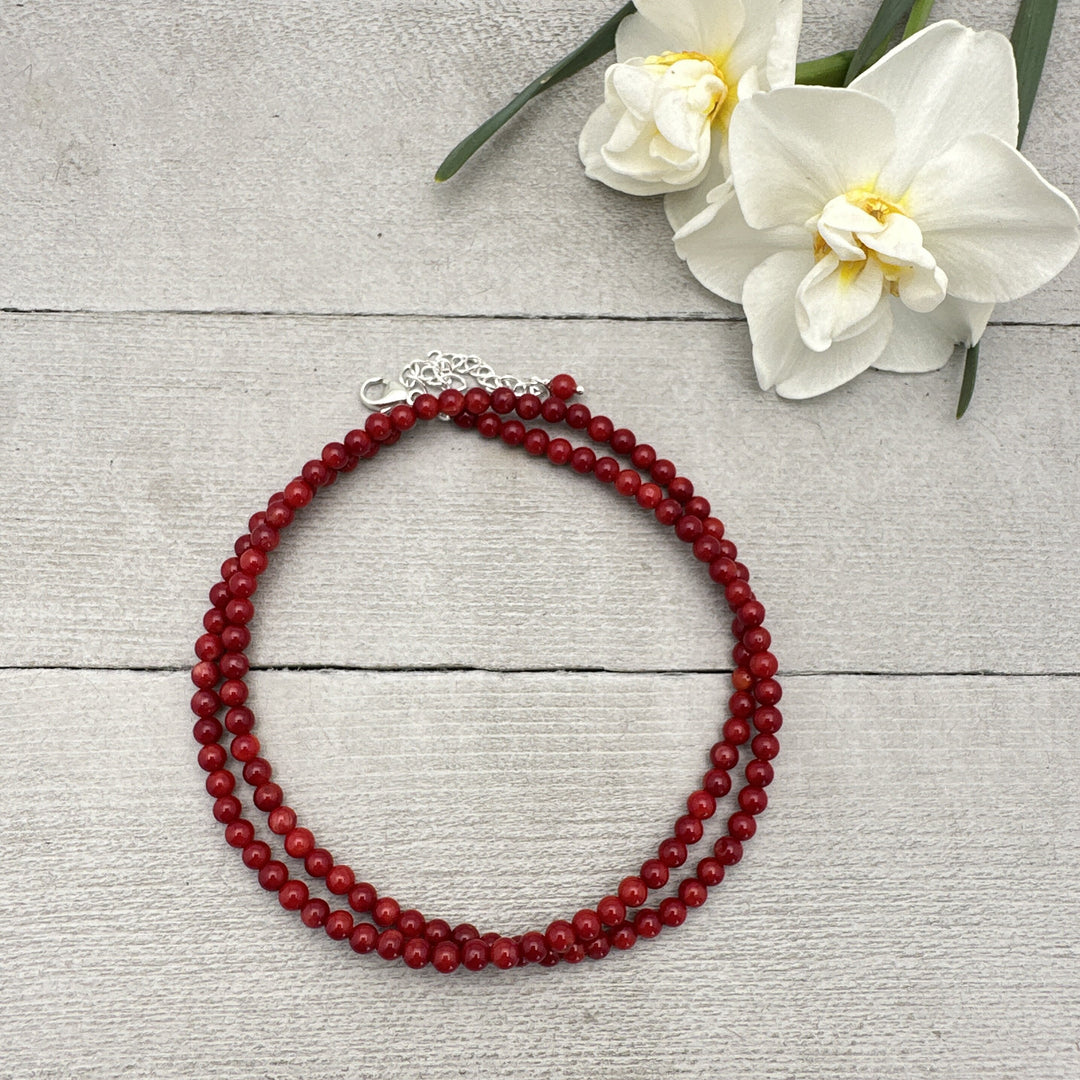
x=920, y=13
x=603, y=41
x=827, y=71
x=1030, y=40
x=967, y=387
x=876, y=41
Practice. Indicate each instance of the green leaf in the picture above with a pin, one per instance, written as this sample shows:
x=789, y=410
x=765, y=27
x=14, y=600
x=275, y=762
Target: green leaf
x=967, y=387
x=920, y=12
x=876, y=41
x=828, y=71
x=603, y=41
x=1030, y=40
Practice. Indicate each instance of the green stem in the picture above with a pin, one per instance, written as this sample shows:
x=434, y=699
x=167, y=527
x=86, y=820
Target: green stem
x=920, y=13
x=1030, y=40
x=826, y=71
x=967, y=387
x=603, y=41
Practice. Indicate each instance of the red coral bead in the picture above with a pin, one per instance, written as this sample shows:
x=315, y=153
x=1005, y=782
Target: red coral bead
x=446, y=957
x=362, y=897
x=633, y=892
x=672, y=912
x=654, y=873
x=753, y=800
x=586, y=925
x=364, y=938
x=693, y=893
x=416, y=952
x=533, y=947
x=578, y=416
x=647, y=923
x=701, y=804
x=741, y=826
x=528, y=406
x=315, y=913
x=293, y=895
x=475, y=954
x=386, y=911
x=728, y=850
x=339, y=925
x=563, y=386
x=560, y=936
x=505, y=953
x=612, y=911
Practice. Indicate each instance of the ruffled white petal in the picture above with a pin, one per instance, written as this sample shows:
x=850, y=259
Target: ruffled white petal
x=598, y=130
x=922, y=288
x=899, y=240
x=925, y=342
x=796, y=148
x=995, y=226
x=780, y=357
x=704, y=26
x=720, y=249
x=942, y=83
x=835, y=300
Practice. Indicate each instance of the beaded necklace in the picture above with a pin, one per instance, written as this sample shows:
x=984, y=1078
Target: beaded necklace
x=465, y=391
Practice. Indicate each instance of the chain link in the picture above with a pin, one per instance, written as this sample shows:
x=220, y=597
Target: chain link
x=440, y=371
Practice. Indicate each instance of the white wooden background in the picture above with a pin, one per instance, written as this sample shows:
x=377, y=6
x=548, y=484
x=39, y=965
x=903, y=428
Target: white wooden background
x=484, y=684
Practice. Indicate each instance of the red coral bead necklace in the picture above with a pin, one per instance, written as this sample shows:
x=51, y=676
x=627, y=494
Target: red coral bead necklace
x=467, y=392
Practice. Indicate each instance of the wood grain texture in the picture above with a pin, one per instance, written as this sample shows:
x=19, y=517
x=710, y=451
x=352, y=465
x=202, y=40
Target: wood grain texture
x=909, y=909
x=279, y=157
x=883, y=535
x=906, y=909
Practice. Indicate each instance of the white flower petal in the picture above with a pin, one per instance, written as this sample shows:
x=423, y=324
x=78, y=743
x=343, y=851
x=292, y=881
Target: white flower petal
x=834, y=300
x=683, y=206
x=794, y=149
x=942, y=83
x=720, y=249
x=900, y=241
x=632, y=87
x=769, y=40
x=843, y=243
x=780, y=59
x=922, y=288
x=679, y=125
x=598, y=130
x=780, y=357
x=995, y=226
x=925, y=342
x=841, y=214
x=704, y=26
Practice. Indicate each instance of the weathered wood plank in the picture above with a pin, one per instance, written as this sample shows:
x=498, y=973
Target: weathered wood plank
x=883, y=536
x=908, y=908
x=276, y=157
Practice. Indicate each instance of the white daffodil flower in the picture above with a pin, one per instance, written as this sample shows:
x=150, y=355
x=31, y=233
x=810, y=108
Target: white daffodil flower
x=877, y=226
x=682, y=66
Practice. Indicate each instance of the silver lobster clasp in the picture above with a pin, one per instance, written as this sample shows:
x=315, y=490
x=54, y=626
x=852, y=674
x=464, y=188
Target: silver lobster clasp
x=394, y=394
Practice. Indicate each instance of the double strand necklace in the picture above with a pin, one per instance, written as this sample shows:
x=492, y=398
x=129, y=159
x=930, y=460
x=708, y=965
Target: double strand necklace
x=466, y=392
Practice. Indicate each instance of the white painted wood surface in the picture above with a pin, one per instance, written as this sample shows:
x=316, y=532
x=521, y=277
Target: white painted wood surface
x=909, y=908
